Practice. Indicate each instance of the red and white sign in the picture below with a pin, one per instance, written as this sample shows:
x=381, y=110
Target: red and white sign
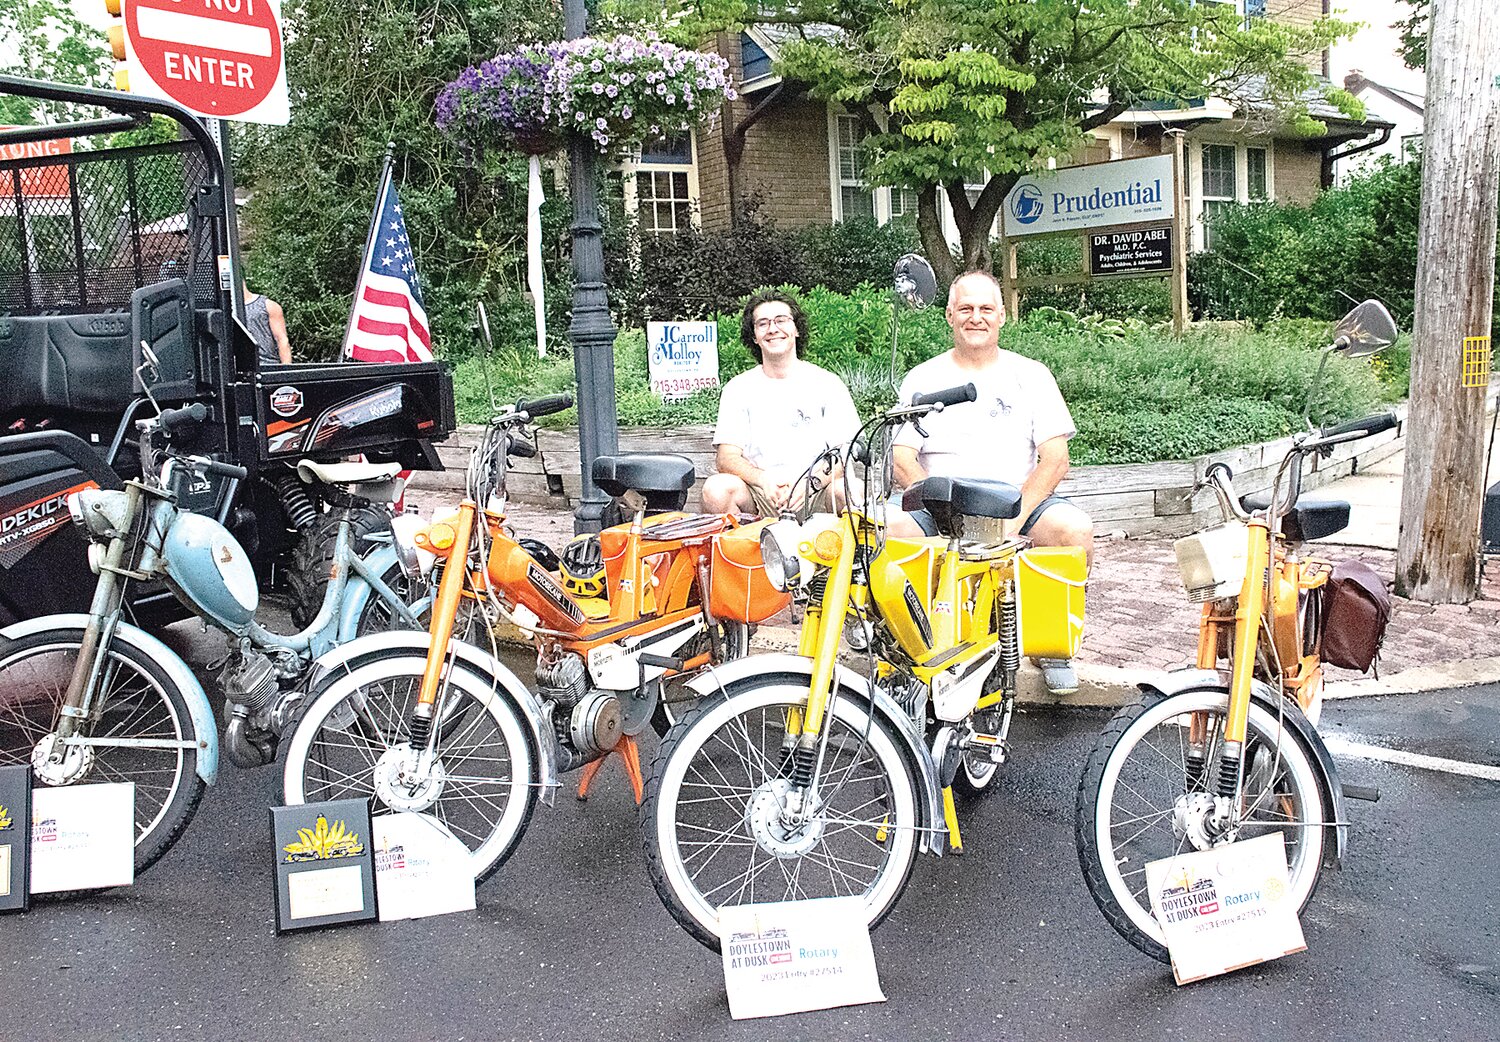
x=39, y=182
x=220, y=58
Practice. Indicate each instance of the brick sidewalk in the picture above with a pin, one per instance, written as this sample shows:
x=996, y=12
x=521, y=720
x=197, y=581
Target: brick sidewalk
x=1138, y=615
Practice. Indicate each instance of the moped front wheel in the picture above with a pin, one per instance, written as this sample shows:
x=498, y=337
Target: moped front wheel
x=137, y=706
x=353, y=741
x=1145, y=795
x=717, y=831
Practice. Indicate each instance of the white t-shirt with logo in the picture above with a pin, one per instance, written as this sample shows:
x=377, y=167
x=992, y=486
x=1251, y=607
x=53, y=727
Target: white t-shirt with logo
x=782, y=424
x=1018, y=406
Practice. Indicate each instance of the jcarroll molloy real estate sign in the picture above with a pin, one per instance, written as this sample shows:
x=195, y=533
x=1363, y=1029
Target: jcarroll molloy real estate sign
x=1073, y=198
x=1131, y=251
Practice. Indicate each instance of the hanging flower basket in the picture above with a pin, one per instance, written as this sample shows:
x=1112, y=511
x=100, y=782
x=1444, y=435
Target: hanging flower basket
x=617, y=92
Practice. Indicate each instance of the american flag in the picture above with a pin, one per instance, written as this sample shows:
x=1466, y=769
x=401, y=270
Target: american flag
x=389, y=323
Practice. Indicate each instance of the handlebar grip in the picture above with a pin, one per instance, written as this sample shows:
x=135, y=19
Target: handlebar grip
x=174, y=420
x=1365, y=426
x=520, y=447
x=228, y=470
x=947, y=396
x=545, y=405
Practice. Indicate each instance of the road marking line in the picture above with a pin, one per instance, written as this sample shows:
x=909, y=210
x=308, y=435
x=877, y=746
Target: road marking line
x=1406, y=759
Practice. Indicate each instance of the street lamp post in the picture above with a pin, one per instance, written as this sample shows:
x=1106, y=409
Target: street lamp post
x=591, y=331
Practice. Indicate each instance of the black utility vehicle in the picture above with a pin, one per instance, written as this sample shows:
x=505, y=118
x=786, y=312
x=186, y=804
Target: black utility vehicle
x=108, y=255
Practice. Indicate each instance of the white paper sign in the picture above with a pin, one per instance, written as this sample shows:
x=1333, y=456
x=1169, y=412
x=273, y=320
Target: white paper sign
x=82, y=837
x=1225, y=908
x=421, y=868
x=794, y=956
x=682, y=357
x=325, y=891
x=1127, y=191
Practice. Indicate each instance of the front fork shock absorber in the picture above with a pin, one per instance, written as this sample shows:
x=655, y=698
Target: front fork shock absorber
x=1229, y=770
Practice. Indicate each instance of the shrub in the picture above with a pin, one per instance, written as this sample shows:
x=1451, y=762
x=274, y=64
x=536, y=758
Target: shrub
x=1149, y=299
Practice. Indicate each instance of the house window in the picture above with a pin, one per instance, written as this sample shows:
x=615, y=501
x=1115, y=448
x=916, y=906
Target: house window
x=1218, y=186
x=1411, y=145
x=664, y=187
x=1255, y=174
x=903, y=203
x=855, y=197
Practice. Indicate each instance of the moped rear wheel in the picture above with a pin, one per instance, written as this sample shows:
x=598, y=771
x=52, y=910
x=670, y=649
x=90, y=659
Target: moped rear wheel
x=714, y=832
x=137, y=703
x=1142, y=793
x=353, y=741
x=734, y=642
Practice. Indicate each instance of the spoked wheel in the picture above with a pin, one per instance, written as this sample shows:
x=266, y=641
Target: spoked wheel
x=354, y=742
x=378, y=616
x=1145, y=796
x=138, y=703
x=676, y=700
x=716, y=828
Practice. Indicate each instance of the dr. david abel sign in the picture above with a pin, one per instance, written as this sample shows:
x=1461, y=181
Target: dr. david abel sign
x=1129, y=191
x=683, y=357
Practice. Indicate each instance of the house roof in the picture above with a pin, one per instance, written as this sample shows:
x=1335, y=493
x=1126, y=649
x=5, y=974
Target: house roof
x=1243, y=105
x=1358, y=83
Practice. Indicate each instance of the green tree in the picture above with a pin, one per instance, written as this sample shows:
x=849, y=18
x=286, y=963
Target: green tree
x=1413, y=29
x=362, y=73
x=979, y=94
x=44, y=39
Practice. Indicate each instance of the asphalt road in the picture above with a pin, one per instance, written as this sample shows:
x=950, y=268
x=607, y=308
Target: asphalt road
x=570, y=942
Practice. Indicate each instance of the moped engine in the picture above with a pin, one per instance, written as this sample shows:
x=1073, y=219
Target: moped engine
x=249, y=682
x=249, y=679
x=589, y=719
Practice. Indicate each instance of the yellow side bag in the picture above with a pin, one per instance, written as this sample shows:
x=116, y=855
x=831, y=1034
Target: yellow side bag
x=1050, y=591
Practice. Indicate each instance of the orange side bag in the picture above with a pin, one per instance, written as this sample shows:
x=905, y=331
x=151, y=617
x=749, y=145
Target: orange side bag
x=737, y=586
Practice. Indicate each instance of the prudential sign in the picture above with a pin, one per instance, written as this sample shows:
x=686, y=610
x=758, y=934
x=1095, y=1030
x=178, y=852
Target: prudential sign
x=1077, y=197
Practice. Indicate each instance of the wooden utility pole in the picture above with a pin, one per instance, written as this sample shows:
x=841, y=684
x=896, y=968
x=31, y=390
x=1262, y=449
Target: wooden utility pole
x=1438, y=554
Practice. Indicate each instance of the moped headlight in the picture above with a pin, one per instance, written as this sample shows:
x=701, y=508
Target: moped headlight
x=415, y=562
x=778, y=550
x=101, y=512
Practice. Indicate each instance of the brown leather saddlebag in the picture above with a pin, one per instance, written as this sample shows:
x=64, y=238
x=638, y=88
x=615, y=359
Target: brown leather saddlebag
x=1356, y=611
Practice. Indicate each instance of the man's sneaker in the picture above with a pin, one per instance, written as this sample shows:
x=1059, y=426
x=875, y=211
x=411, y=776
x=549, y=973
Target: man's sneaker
x=1059, y=675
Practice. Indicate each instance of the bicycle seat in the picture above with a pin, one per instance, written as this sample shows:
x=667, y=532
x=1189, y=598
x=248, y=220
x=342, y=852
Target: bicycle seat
x=951, y=500
x=1311, y=518
x=346, y=473
x=664, y=478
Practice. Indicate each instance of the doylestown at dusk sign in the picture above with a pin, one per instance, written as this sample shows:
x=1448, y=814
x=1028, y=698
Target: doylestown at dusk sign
x=1130, y=191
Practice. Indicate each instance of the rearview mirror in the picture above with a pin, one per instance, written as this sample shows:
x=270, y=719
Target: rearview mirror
x=1365, y=330
x=483, y=322
x=915, y=282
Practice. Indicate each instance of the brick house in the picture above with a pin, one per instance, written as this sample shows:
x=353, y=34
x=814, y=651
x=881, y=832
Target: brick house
x=1229, y=157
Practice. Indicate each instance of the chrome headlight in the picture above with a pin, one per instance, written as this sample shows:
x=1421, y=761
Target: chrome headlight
x=100, y=511
x=778, y=551
x=415, y=561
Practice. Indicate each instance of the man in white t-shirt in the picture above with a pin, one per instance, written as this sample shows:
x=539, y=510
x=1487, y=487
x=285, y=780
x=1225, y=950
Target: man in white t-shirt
x=776, y=418
x=1016, y=431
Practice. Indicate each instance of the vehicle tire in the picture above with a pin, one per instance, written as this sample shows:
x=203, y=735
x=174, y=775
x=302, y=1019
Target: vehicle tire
x=138, y=700
x=676, y=699
x=685, y=815
x=312, y=556
x=977, y=771
x=351, y=733
x=1137, y=773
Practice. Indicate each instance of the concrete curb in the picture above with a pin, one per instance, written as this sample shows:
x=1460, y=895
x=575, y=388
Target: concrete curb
x=1102, y=686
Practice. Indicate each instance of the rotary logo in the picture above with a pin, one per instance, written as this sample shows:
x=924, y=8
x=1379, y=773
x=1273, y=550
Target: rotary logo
x=323, y=842
x=286, y=401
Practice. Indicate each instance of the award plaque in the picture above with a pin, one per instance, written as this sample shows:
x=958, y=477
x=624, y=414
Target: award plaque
x=325, y=868
x=15, y=838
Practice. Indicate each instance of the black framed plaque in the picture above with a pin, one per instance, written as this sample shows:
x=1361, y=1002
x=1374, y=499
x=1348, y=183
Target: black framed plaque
x=325, y=864
x=1133, y=251
x=15, y=838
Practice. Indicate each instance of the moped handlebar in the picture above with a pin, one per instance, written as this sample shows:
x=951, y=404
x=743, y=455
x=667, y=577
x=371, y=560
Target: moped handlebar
x=545, y=405
x=519, y=447
x=174, y=421
x=947, y=396
x=1350, y=430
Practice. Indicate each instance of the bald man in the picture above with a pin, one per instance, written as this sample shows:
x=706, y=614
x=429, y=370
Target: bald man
x=1016, y=431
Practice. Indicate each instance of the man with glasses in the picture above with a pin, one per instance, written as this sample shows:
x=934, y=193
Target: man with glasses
x=776, y=418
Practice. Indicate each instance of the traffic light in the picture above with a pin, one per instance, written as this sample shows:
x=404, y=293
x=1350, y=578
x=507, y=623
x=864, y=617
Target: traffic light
x=116, y=34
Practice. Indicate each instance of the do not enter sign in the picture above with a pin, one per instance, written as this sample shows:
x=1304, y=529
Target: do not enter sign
x=218, y=58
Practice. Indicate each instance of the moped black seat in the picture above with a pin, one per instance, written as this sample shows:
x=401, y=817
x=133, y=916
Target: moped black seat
x=1312, y=518
x=950, y=500
x=664, y=478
